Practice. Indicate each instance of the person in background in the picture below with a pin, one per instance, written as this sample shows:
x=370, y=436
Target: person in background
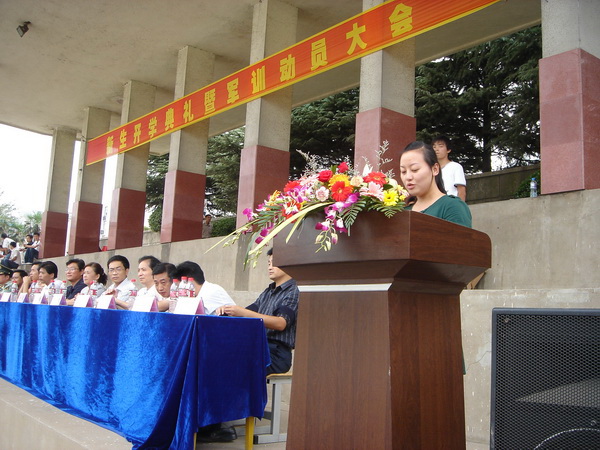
x=74, y=274
x=421, y=176
x=145, y=266
x=18, y=277
x=162, y=276
x=30, y=251
x=277, y=306
x=207, y=226
x=453, y=174
x=94, y=273
x=36, y=246
x=47, y=275
x=5, y=244
x=13, y=259
x=5, y=276
x=121, y=287
x=211, y=294
x=34, y=277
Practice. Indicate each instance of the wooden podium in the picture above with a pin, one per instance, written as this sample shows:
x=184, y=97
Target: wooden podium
x=378, y=361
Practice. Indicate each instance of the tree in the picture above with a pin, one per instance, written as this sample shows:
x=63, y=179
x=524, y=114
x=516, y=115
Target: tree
x=158, y=165
x=325, y=128
x=9, y=224
x=223, y=172
x=486, y=100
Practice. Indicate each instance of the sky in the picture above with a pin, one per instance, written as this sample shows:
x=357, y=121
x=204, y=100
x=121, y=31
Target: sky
x=26, y=156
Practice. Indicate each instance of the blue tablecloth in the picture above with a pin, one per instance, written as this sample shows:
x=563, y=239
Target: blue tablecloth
x=153, y=378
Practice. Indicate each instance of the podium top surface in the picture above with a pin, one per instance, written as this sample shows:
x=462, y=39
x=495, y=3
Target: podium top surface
x=410, y=245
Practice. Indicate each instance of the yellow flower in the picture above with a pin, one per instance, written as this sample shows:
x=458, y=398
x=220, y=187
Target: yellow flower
x=390, y=198
x=339, y=177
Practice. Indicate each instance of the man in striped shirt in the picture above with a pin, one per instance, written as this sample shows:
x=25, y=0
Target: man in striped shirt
x=278, y=307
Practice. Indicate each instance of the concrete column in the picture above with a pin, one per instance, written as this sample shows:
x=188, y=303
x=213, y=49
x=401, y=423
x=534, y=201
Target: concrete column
x=129, y=197
x=55, y=218
x=570, y=95
x=386, y=104
x=185, y=183
x=265, y=158
x=86, y=213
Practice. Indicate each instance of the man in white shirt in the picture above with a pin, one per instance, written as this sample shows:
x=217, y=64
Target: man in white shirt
x=13, y=259
x=47, y=275
x=452, y=172
x=145, y=266
x=6, y=244
x=212, y=294
x=118, y=269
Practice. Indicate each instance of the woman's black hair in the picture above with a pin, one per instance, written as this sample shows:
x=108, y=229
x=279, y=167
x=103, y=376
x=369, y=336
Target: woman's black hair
x=98, y=270
x=430, y=159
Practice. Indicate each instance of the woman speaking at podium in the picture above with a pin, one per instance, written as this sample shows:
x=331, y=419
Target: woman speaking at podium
x=421, y=175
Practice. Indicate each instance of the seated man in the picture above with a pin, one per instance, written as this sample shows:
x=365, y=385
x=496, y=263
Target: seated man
x=162, y=275
x=145, y=266
x=12, y=260
x=47, y=275
x=211, y=294
x=18, y=277
x=278, y=307
x=32, y=280
x=118, y=269
x=74, y=274
x=5, y=276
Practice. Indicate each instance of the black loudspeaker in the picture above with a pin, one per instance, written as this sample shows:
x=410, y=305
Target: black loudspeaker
x=545, y=379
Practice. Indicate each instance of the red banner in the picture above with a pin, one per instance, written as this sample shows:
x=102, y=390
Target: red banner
x=372, y=30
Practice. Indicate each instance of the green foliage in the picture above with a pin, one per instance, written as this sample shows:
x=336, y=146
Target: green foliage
x=223, y=171
x=9, y=224
x=324, y=128
x=486, y=100
x=223, y=226
x=155, y=219
x=524, y=189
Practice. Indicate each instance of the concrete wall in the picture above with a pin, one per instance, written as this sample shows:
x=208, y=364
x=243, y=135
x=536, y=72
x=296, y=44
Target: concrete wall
x=547, y=242
x=499, y=185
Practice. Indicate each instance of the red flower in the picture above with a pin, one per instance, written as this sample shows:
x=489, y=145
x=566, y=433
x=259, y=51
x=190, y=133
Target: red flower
x=340, y=192
x=325, y=175
x=343, y=167
x=376, y=177
x=291, y=186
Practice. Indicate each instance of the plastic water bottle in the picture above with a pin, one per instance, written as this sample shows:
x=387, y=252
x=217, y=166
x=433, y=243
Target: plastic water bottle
x=183, y=288
x=191, y=287
x=14, y=292
x=533, y=188
x=94, y=290
x=134, y=290
x=63, y=289
x=52, y=288
x=173, y=291
x=173, y=294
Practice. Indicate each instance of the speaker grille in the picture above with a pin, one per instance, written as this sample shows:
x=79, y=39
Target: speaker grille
x=545, y=379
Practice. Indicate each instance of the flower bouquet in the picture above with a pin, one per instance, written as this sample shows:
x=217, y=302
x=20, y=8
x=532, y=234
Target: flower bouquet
x=337, y=192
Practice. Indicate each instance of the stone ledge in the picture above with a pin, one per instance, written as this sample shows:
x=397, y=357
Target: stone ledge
x=28, y=422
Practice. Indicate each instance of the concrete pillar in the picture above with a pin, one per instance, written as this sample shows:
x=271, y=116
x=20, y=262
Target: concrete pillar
x=185, y=183
x=386, y=104
x=86, y=215
x=265, y=159
x=570, y=95
x=55, y=218
x=126, y=227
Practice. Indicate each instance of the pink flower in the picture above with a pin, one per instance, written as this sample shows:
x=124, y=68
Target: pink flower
x=322, y=194
x=322, y=226
x=373, y=190
x=343, y=167
x=248, y=213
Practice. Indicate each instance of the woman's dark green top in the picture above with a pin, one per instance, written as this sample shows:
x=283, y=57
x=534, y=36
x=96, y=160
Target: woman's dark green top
x=449, y=208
